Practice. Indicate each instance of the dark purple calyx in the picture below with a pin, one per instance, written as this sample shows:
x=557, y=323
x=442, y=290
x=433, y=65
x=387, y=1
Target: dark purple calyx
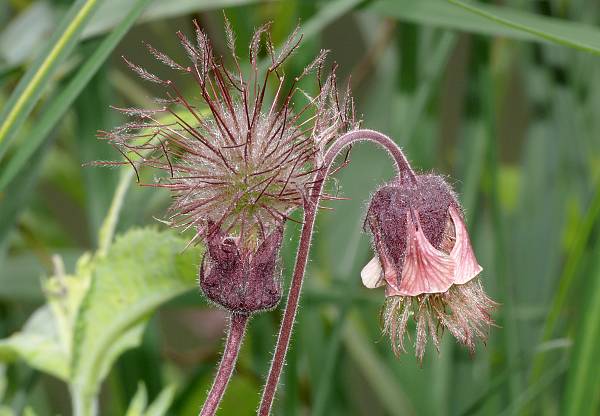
x=429, y=198
x=239, y=279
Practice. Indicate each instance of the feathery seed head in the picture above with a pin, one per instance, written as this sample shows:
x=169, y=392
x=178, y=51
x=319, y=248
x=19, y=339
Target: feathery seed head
x=240, y=159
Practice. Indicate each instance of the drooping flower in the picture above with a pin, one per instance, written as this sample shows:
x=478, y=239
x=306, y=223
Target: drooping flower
x=236, y=157
x=426, y=263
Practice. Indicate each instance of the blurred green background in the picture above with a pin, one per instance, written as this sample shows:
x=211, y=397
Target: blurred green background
x=502, y=98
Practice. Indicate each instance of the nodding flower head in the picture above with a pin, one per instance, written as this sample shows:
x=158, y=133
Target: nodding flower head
x=426, y=263
x=236, y=157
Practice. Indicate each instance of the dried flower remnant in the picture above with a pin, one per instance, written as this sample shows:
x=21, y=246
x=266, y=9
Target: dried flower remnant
x=426, y=262
x=238, y=160
x=244, y=282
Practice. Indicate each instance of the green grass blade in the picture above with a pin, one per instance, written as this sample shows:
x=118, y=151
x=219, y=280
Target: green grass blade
x=583, y=382
x=16, y=195
x=327, y=381
x=493, y=20
x=160, y=406
x=62, y=102
x=568, y=277
x=498, y=220
x=331, y=12
x=533, y=391
x=33, y=82
x=109, y=14
x=378, y=375
x=571, y=34
x=93, y=113
x=427, y=85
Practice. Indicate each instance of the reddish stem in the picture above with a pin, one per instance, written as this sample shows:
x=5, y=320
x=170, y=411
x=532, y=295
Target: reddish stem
x=310, y=210
x=237, y=328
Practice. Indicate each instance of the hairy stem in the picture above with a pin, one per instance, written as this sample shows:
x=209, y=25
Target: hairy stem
x=237, y=328
x=310, y=210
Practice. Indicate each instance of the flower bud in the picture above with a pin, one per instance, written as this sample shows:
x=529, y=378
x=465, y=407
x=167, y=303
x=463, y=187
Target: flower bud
x=239, y=278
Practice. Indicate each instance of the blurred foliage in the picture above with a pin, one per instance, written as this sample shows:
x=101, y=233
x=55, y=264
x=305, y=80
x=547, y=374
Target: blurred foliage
x=501, y=97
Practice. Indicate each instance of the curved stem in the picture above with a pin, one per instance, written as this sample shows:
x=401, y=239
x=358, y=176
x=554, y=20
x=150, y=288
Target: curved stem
x=310, y=210
x=237, y=328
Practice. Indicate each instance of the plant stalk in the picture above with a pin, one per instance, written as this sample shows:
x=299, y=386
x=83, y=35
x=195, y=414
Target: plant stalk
x=83, y=403
x=310, y=210
x=237, y=328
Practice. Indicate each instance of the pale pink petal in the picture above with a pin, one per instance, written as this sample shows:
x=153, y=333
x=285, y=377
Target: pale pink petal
x=462, y=252
x=372, y=275
x=426, y=269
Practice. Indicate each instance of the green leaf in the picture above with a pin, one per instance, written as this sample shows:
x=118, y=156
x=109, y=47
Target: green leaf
x=139, y=401
x=583, y=383
x=493, y=20
x=390, y=394
x=110, y=12
x=91, y=317
x=161, y=405
x=158, y=408
x=140, y=271
x=2, y=381
x=29, y=412
x=568, y=278
x=572, y=34
x=25, y=32
x=39, y=345
x=45, y=341
x=30, y=87
x=332, y=11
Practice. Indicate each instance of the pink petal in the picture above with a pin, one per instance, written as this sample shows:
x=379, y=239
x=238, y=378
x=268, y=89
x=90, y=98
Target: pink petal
x=462, y=252
x=426, y=269
x=390, y=273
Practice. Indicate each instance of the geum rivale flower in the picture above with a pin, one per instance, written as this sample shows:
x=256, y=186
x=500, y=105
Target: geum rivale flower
x=426, y=263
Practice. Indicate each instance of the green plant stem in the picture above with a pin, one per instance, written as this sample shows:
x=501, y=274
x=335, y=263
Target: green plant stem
x=107, y=231
x=83, y=403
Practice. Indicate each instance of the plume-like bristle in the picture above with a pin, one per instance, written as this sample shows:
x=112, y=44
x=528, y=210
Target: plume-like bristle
x=464, y=310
